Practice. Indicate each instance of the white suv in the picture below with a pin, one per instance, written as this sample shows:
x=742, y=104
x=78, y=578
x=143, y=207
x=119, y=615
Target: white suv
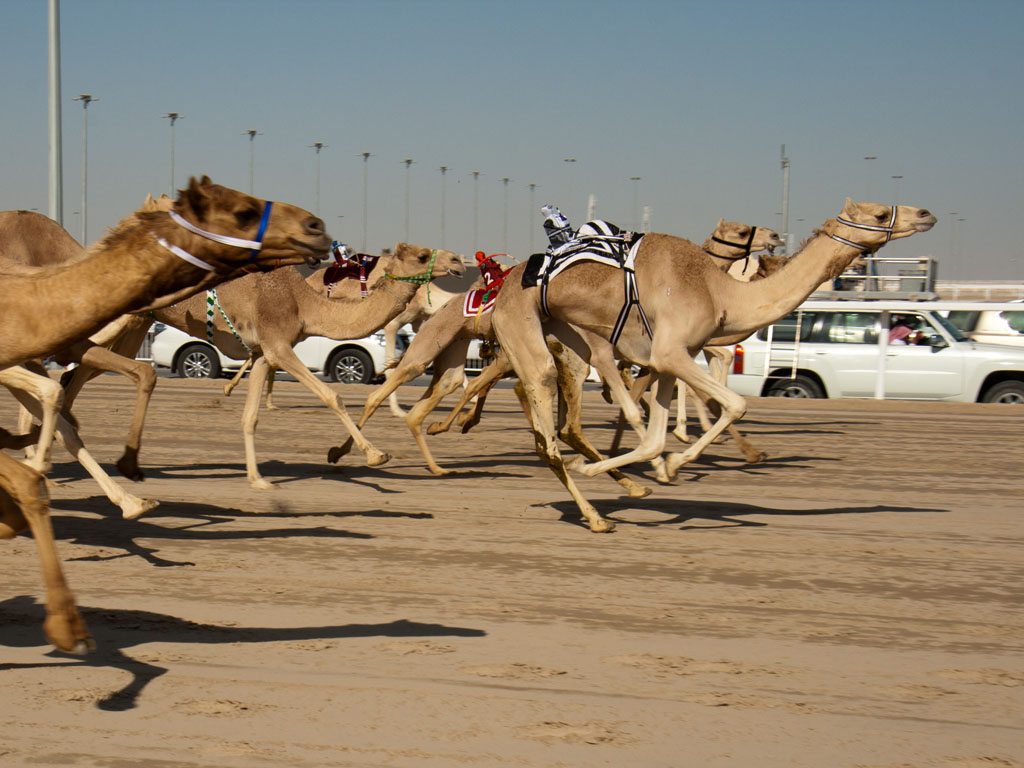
x=831, y=349
x=991, y=326
x=354, y=361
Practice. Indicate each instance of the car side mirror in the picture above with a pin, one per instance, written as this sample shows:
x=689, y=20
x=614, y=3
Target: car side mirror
x=938, y=343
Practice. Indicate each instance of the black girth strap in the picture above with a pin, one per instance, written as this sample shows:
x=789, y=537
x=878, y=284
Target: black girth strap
x=632, y=300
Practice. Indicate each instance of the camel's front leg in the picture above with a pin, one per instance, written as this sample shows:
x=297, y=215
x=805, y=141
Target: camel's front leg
x=250, y=418
x=733, y=407
x=496, y=370
x=286, y=359
x=41, y=397
x=22, y=501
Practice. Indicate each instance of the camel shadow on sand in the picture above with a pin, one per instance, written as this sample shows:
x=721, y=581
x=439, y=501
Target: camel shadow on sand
x=193, y=522
x=718, y=514
x=116, y=630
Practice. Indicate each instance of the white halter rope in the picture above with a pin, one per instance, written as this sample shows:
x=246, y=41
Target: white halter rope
x=870, y=227
x=237, y=242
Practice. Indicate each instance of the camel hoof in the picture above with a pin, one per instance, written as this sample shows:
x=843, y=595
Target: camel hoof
x=375, y=458
x=441, y=472
x=436, y=428
x=129, y=467
x=573, y=463
x=762, y=456
x=639, y=491
x=259, y=484
x=681, y=436
x=338, y=451
x=68, y=634
x=601, y=526
x=138, y=508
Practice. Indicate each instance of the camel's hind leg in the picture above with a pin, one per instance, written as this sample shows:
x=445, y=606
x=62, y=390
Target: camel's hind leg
x=41, y=397
x=496, y=370
x=22, y=502
x=449, y=372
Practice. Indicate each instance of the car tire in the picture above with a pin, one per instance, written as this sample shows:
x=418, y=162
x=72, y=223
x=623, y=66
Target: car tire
x=350, y=366
x=1006, y=392
x=198, y=361
x=801, y=386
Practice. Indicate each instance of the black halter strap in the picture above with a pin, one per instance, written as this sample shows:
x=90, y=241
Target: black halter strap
x=745, y=246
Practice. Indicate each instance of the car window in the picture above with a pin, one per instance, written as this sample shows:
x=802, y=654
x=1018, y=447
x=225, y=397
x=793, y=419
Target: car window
x=963, y=319
x=851, y=328
x=785, y=329
x=952, y=329
x=1014, y=319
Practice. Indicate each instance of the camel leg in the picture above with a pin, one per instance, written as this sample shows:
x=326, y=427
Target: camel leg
x=680, y=430
x=285, y=358
x=496, y=370
x=48, y=396
x=448, y=375
x=25, y=503
x=144, y=378
x=615, y=384
x=391, y=360
x=572, y=372
x=527, y=350
x=237, y=378
x=250, y=418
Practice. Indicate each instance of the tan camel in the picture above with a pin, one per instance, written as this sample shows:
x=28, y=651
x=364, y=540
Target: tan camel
x=444, y=339
x=264, y=316
x=28, y=238
x=688, y=302
x=148, y=256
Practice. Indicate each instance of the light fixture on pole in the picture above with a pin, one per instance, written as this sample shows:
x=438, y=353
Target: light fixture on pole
x=636, y=210
x=173, y=117
x=317, y=145
x=366, y=176
x=443, y=169
x=407, y=162
x=85, y=98
x=252, y=133
x=569, y=162
x=505, y=180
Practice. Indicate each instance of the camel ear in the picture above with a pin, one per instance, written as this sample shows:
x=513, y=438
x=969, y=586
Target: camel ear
x=206, y=181
x=195, y=198
x=849, y=206
x=399, y=247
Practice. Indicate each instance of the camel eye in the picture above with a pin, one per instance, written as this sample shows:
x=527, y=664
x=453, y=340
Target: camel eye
x=247, y=217
x=881, y=216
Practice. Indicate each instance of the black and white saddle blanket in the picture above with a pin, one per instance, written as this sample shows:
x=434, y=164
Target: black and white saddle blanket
x=598, y=241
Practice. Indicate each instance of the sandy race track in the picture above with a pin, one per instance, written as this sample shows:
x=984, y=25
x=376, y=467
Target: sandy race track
x=854, y=601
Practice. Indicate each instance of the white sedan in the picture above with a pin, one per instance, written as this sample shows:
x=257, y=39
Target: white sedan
x=353, y=361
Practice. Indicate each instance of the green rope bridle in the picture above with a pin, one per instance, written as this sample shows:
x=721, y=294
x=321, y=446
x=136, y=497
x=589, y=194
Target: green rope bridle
x=420, y=279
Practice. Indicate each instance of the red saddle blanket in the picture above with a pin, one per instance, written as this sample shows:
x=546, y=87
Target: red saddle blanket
x=479, y=301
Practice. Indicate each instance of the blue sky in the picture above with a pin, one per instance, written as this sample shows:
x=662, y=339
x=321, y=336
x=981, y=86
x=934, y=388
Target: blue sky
x=695, y=98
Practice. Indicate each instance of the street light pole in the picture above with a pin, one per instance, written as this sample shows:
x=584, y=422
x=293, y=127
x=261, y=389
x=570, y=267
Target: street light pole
x=317, y=145
x=443, y=169
x=56, y=140
x=408, y=161
x=896, y=189
x=869, y=158
x=786, y=237
x=529, y=218
x=85, y=98
x=366, y=178
x=569, y=161
x=476, y=211
x=252, y=133
x=636, y=210
x=173, y=117
x=505, y=180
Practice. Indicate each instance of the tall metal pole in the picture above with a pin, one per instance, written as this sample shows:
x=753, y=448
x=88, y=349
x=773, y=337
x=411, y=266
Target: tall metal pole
x=869, y=158
x=173, y=117
x=786, y=235
x=408, y=161
x=252, y=133
x=569, y=161
x=476, y=211
x=85, y=98
x=529, y=218
x=443, y=169
x=317, y=145
x=366, y=180
x=504, y=240
x=636, y=210
x=56, y=157
x=896, y=189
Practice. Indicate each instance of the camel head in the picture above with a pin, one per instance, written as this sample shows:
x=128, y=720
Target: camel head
x=291, y=235
x=742, y=238
x=416, y=260
x=872, y=225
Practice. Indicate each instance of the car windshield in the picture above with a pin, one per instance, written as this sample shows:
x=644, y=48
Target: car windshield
x=953, y=331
